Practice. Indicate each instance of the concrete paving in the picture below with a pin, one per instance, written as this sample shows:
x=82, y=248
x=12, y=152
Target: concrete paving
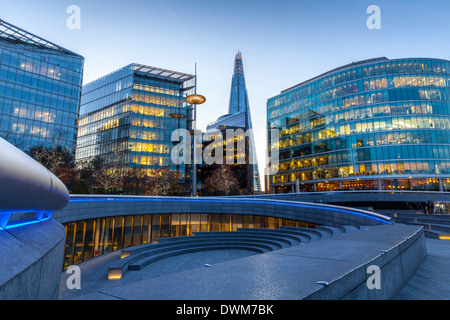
x=432, y=279
x=94, y=282
x=286, y=274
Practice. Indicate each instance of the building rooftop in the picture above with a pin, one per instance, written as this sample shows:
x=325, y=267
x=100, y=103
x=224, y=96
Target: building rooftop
x=148, y=71
x=15, y=34
x=350, y=65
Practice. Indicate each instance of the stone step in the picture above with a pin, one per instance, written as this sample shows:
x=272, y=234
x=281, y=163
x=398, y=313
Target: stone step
x=145, y=261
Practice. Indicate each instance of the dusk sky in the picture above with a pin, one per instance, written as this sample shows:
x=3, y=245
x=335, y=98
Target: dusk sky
x=283, y=42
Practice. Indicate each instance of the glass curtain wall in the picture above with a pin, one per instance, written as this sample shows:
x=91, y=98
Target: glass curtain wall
x=92, y=238
x=357, y=127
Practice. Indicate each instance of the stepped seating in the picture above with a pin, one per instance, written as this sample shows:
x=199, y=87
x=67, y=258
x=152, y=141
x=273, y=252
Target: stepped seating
x=436, y=226
x=256, y=240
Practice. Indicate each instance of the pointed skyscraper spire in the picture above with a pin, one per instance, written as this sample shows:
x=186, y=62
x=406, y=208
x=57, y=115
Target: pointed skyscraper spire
x=238, y=95
x=239, y=114
x=239, y=103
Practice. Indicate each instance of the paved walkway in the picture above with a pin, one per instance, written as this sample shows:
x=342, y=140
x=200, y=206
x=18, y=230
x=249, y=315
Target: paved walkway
x=94, y=272
x=432, y=280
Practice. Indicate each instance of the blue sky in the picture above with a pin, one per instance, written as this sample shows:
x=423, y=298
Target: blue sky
x=283, y=42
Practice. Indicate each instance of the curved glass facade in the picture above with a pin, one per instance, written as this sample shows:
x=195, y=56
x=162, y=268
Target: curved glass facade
x=377, y=124
x=91, y=238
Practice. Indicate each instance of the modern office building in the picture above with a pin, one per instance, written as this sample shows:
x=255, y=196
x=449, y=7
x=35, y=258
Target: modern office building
x=239, y=114
x=134, y=110
x=377, y=124
x=40, y=89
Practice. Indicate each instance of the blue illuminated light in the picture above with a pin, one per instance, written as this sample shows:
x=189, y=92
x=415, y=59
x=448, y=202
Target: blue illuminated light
x=23, y=223
x=279, y=203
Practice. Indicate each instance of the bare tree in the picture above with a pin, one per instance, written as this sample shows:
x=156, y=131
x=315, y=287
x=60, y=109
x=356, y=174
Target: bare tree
x=222, y=180
x=164, y=182
x=15, y=139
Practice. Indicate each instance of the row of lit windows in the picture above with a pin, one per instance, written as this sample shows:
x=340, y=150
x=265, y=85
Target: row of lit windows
x=15, y=125
x=369, y=139
x=365, y=154
x=103, y=125
x=143, y=87
x=43, y=99
x=363, y=71
x=91, y=238
x=336, y=114
x=28, y=64
x=145, y=135
x=148, y=147
x=148, y=110
x=379, y=83
x=33, y=83
x=143, y=160
x=104, y=150
x=157, y=99
x=166, y=123
x=40, y=115
x=104, y=113
x=279, y=118
x=430, y=184
x=87, y=107
x=102, y=137
x=364, y=169
x=366, y=126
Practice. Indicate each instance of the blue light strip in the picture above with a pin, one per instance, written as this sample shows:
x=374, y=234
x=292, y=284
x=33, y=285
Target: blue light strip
x=40, y=216
x=23, y=223
x=247, y=201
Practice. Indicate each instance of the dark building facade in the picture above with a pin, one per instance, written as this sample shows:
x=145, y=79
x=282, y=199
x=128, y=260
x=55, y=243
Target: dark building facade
x=40, y=89
x=234, y=147
x=378, y=124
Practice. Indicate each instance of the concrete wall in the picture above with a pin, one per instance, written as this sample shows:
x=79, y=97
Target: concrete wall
x=31, y=260
x=398, y=264
x=92, y=207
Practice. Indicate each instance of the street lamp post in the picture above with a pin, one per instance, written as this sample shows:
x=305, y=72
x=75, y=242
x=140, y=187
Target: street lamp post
x=194, y=100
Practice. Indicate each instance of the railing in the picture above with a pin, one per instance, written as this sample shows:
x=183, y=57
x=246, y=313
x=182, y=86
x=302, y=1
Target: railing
x=29, y=193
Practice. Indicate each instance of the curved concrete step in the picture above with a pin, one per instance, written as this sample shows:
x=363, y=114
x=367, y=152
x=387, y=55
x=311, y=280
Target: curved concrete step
x=276, y=244
x=145, y=261
x=230, y=235
x=350, y=229
x=333, y=231
x=295, y=239
x=299, y=235
x=118, y=268
x=313, y=233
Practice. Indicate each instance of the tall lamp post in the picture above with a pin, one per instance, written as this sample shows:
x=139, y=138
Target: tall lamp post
x=194, y=100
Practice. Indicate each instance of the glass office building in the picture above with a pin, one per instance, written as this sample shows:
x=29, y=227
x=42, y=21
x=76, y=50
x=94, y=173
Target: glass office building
x=134, y=110
x=378, y=124
x=40, y=89
x=239, y=113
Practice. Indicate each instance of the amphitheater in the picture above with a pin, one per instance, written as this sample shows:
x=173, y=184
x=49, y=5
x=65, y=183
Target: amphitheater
x=211, y=248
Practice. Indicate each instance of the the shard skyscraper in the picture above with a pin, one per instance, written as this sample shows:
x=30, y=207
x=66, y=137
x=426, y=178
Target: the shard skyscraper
x=239, y=113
